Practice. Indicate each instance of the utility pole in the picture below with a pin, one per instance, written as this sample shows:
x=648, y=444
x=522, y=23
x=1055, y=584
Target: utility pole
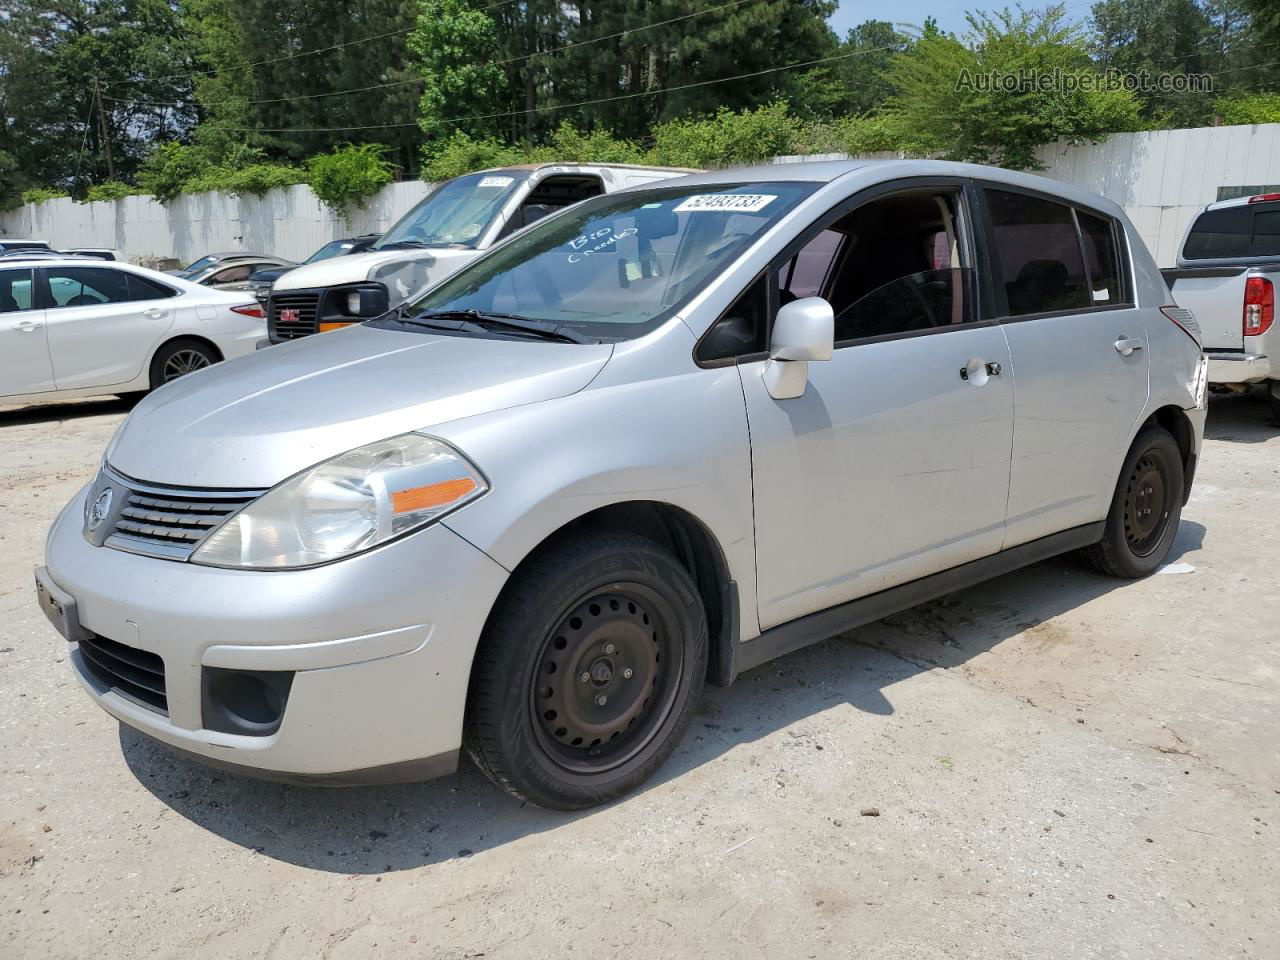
x=104, y=135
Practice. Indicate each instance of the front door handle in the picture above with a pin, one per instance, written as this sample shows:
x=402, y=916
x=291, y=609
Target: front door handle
x=27, y=326
x=1126, y=345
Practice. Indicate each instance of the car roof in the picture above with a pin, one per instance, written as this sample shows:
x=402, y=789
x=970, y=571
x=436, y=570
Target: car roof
x=879, y=170
x=1244, y=201
x=513, y=167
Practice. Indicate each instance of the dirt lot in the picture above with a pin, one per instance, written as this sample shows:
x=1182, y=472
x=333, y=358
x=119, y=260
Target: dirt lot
x=1063, y=766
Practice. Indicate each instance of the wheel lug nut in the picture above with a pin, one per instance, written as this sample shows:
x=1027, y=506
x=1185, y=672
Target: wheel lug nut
x=601, y=700
x=586, y=677
x=609, y=648
x=627, y=673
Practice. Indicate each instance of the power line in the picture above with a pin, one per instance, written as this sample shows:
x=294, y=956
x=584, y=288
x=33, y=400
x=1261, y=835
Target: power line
x=290, y=56
x=401, y=83
x=565, y=106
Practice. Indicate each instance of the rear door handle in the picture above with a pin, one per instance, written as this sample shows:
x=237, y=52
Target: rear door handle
x=1126, y=345
x=154, y=313
x=992, y=369
x=27, y=326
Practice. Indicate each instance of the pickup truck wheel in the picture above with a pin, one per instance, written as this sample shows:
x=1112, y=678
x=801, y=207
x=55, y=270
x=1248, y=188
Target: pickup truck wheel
x=588, y=672
x=1145, y=508
x=1273, y=394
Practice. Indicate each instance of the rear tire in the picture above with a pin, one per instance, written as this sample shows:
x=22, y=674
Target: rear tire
x=177, y=358
x=588, y=672
x=1273, y=394
x=1145, y=508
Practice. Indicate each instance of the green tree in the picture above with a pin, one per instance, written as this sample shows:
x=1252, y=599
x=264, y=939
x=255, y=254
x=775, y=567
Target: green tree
x=945, y=103
x=456, y=49
x=78, y=80
x=280, y=74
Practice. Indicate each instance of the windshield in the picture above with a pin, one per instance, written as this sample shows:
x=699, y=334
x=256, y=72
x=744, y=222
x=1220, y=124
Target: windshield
x=335, y=248
x=457, y=212
x=200, y=264
x=616, y=266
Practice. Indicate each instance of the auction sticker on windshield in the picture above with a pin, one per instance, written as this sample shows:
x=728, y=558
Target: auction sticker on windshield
x=496, y=181
x=728, y=202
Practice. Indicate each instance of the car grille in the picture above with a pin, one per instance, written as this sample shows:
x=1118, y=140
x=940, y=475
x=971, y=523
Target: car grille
x=300, y=324
x=171, y=522
x=134, y=674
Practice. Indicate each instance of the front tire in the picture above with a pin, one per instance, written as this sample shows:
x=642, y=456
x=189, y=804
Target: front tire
x=588, y=672
x=1145, y=509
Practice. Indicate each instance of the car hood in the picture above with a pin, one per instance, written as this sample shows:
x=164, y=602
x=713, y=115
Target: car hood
x=255, y=421
x=405, y=272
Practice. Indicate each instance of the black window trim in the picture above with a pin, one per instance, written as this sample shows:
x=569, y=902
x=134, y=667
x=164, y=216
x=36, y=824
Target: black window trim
x=971, y=223
x=1119, y=241
x=44, y=292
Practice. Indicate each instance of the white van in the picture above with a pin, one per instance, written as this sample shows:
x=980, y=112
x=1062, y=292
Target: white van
x=447, y=230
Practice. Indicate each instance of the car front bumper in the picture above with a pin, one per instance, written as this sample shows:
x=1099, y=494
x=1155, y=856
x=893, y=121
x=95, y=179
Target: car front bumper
x=1238, y=367
x=380, y=647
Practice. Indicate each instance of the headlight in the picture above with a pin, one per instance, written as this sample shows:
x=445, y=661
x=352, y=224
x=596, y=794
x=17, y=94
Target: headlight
x=346, y=505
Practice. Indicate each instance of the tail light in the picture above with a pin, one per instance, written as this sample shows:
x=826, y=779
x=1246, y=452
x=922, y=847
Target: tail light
x=1186, y=321
x=250, y=310
x=1259, y=306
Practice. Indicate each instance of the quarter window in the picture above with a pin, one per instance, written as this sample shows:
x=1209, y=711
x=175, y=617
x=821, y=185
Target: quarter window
x=1100, y=257
x=1039, y=253
x=15, y=290
x=806, y=273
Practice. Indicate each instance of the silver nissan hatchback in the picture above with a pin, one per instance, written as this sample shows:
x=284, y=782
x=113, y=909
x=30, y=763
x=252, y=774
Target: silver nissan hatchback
x=650, y=442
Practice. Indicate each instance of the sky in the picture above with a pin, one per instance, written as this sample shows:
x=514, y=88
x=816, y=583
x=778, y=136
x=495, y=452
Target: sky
x=948, y=13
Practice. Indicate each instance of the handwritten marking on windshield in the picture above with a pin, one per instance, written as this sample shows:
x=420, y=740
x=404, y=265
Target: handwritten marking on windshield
x=589, y=243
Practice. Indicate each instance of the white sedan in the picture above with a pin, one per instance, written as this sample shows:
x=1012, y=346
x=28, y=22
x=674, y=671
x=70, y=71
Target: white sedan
x=74, y=327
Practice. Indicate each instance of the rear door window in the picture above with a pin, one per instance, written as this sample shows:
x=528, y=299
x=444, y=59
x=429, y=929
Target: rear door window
x=1039, y=254
x=86, y=286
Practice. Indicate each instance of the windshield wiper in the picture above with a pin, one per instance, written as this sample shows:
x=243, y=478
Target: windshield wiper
x=415, y=244
x=480, y=320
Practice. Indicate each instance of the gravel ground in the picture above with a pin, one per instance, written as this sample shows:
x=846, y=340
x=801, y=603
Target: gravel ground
x=1059, y=765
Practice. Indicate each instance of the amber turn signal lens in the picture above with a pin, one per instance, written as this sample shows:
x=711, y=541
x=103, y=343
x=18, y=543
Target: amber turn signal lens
x=432, y=495
x=328, y=327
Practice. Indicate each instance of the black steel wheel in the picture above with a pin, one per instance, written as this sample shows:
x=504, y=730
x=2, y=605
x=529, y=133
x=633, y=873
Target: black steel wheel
x=588, y=671
x=1146, y=503
x=607, y=677
x=179, y=358
x=1145, y=509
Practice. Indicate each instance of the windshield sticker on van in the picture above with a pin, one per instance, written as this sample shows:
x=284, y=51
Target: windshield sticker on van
x=496, y=181
x=727, y=202
x=589, y=243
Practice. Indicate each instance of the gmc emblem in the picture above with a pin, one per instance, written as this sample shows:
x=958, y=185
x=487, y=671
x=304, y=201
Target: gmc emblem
x=288, y=315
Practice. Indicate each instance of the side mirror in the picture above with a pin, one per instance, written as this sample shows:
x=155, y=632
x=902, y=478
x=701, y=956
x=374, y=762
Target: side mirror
x=803, y=330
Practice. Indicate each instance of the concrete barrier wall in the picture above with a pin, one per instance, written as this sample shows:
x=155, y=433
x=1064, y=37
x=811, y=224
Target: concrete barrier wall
x=290, y=222
x=1161, y=178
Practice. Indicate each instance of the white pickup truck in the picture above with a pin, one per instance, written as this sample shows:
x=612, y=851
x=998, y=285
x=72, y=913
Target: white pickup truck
x=448, y=229
x=1227, y=273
